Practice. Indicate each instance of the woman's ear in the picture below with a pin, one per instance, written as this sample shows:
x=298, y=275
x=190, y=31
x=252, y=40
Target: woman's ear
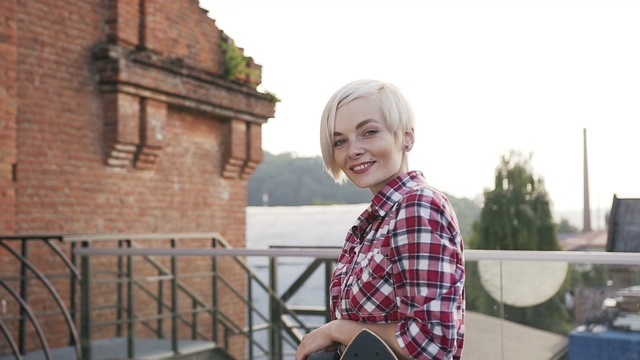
x=408, y=140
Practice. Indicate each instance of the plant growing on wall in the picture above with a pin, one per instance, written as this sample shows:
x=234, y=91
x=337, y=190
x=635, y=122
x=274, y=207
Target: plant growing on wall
x=236, y=65
x=272, y=96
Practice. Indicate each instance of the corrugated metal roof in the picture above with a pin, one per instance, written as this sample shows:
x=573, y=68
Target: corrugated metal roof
x=624, y=225
x=325, y=225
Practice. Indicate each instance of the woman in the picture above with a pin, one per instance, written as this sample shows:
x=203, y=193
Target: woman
x=401, y=271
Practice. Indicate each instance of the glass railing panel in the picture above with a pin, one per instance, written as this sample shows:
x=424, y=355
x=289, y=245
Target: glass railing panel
x=552, y=308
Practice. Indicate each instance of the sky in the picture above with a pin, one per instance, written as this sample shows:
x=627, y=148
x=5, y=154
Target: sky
x=484, y=78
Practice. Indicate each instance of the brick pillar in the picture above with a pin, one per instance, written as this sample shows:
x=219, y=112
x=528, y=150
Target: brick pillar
x=8, y=114
x=152, y=120
x=236, y=152
x=122, y=128
x=254, y=148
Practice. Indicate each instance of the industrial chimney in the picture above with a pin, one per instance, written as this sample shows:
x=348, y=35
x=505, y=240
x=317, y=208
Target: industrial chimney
x=586, y=219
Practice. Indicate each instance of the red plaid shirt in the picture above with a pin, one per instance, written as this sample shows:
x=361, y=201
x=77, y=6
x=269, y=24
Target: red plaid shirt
x=403, y=262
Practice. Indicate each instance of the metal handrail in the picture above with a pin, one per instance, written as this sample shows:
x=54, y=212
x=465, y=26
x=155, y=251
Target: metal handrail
x=574, y=257
x=230, y=327
x=34, y=321
x=54, y=294
x=10, y=340
x=21, y=296
x=199, y=305
x=610, y=258
x=288, y=317
x=328, y=253
x=27, y=313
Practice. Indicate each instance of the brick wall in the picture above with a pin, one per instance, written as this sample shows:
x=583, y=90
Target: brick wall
x=118, y=120
x=8, y=113
x=70, y=123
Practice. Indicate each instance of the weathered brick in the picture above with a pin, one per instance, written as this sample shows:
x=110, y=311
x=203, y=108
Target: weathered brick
x=8, y=120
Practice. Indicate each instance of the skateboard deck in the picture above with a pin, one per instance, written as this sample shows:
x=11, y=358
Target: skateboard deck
x=368, y=345
x=365, y=345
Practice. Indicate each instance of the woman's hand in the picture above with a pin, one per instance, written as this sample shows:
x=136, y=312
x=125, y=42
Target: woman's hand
x=330, y=335
x=319, y=339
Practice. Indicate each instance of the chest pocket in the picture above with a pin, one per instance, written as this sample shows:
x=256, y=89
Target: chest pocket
x=372, y=291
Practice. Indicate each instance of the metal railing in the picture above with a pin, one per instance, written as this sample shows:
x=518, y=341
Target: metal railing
x=78, y=303
x=289, y=332
x=282, y=321
x=208, y=307
x=165, y=284
x=18, y=247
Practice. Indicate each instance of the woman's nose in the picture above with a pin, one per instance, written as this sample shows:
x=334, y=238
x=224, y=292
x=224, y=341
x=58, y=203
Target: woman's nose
x=355, y=149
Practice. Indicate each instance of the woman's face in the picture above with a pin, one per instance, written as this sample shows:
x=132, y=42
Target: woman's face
x=363, y=146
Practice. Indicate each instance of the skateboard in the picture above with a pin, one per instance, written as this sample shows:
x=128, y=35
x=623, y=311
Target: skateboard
x=365, y=345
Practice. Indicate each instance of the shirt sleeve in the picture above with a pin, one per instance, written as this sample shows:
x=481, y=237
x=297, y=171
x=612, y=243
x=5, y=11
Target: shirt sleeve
x=428, y=251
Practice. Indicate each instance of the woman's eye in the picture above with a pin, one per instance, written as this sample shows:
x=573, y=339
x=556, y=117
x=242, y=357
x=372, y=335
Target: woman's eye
x=339, y=142
x=370, y=132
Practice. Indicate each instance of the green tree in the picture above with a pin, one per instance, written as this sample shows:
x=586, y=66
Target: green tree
x=516, y=216
x=565, y=227
x=516, y=213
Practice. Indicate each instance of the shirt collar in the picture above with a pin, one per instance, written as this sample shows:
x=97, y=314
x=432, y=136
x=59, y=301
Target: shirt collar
x=395, y=189
x=386, y=198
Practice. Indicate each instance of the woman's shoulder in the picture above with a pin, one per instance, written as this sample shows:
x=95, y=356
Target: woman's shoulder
x=425, y=192
x=417, y=186
x=412, y=191
x=427, y=198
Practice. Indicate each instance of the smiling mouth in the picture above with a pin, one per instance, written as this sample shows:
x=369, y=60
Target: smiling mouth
x=361, y=167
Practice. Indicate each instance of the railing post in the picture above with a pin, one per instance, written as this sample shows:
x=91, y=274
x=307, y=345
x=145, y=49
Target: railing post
x=328, y=272
x=73, y=289
x=174, y=300
x=194, y=319
x=214, y=297
x=24, y=289
x=160, y=307
x=120, y=291
x=250, y=315
x=131, y=329
x=85, y=304
x=275, y=338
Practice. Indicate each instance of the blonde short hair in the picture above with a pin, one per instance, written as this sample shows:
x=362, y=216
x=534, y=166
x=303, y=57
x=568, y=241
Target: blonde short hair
x=398, y=114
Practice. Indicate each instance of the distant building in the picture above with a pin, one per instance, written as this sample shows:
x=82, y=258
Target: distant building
x=624, y=225
x=595, y=240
